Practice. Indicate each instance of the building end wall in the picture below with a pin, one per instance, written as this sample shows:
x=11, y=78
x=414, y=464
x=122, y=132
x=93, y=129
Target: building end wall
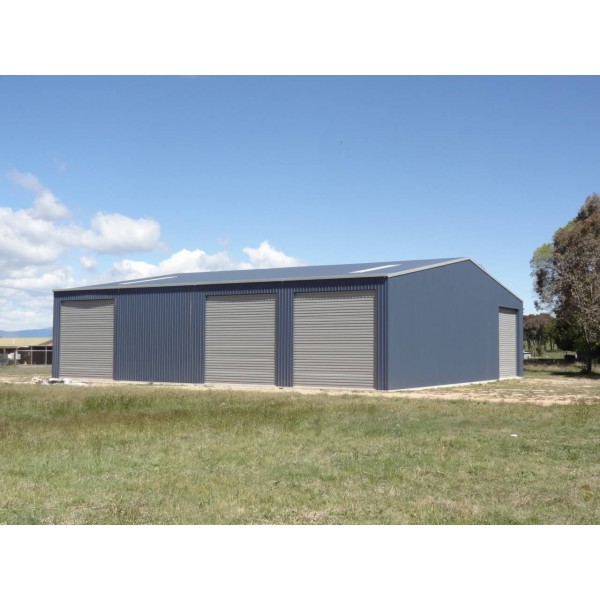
x=443, y=327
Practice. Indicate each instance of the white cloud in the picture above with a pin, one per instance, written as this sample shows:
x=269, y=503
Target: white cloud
x=88, y=262
x=49, y=208
x=37, y=245
x=190, y=261
x=112, y=233
x=184, y=261
x=266, y=256
x=20, y=309
x=46, y=205
x=25, y=297
x=34, y=236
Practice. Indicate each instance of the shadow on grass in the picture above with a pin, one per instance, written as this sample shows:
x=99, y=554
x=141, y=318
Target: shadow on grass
x=576, y=374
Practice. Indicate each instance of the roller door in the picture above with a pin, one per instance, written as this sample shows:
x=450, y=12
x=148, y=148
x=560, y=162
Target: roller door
x=507, y=324
x=334, y=339
x=240, y=339
x=87, y=338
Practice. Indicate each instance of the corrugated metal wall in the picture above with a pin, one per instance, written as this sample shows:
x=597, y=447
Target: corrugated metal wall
x=159, y=335
x=334, y=339
x=59, y=297
x=240, y=339
x=159, y=332
x=443, y=326
x=87, y=338
x=507, y=334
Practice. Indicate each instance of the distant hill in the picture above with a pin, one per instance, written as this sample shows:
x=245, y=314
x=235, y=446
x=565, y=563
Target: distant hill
x=45, y=332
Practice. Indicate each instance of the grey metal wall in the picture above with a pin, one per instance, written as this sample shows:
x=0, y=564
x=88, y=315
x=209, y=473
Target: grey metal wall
x=507, y=327
x=240, y=339
x=159, y=332
x=334, y=339
x=58, y=298
x=87, y=338
x=443, y=326
x=159, y=335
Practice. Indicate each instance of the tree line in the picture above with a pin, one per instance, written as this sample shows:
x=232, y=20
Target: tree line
x=543, y=332
x=566, y=275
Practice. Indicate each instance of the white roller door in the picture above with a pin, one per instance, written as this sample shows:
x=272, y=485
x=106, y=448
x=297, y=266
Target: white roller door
x=507, y=325
x=334, y=339
x=240, y=339
x=87, y=338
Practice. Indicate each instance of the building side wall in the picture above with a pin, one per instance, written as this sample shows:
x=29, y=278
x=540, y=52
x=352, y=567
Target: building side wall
x=159, y=332
x=158, y=336
x=443, y=327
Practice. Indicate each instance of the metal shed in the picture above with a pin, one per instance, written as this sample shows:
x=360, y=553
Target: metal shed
x=386, y=325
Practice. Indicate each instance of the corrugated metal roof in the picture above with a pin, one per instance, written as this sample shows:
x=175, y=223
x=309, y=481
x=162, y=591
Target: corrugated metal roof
x=389, y=268
x=18, y=342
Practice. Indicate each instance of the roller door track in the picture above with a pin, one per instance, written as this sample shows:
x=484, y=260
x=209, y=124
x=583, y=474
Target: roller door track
x=334, y=339
x=507, y=326
x=240, y=339
x=87, y=338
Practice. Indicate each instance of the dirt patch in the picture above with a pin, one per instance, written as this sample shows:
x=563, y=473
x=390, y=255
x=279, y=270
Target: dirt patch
x=534, y=390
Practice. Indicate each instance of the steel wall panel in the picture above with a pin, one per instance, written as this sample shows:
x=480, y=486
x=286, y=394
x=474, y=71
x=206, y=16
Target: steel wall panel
x=159, y=336
x=507, y=337
x=87, y=338
x=159, y=331
x=60, y=297
x=285, y=311
x=240, y=339
x=443, y=327
x=334, y=339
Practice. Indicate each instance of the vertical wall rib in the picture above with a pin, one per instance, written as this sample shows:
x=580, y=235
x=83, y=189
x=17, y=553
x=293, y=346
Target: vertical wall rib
x=56, y=337
x=200, y=313
x=157, y=335
x=381, y=336
x=285, y=308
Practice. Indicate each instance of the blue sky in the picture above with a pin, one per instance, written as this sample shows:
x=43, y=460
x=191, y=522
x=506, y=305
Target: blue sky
x=106, y=178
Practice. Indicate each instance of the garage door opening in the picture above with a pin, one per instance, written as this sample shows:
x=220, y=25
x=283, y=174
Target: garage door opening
x=334, y=339
x=240, y=339
x=87, y=338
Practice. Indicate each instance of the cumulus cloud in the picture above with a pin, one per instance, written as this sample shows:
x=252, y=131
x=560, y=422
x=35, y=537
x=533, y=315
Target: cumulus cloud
x=113, y=233
x=38, y=278
x=26, y=298
x=26, y=240
x=38, y=244
x=20, y=309
x=267, y=256
x=46, y=206
x=35, y=235
x=88, y=262
x=191, y=261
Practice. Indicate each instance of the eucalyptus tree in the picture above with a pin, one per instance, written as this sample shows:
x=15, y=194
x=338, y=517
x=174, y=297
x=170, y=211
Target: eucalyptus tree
x=567, y=275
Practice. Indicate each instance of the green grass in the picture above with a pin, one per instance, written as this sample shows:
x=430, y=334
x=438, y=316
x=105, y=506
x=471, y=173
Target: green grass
x=151, y=454
x=24, y=372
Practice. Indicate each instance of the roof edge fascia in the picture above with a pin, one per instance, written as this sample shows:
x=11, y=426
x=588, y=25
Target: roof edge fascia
x=118, y=288
x=498, y=282
x=426, y=267
x=451, y=262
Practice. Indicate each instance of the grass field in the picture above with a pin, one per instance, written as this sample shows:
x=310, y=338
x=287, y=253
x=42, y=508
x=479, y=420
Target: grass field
x=156, y=454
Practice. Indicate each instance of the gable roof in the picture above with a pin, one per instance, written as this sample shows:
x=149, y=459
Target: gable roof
x=351, y=271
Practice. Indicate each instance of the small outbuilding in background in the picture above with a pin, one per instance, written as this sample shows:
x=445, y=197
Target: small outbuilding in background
x=25, y=351
x=385, y=326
